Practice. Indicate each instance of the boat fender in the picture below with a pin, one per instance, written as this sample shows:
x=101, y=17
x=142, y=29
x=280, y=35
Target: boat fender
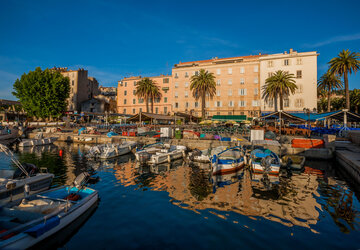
x=130, y=148
x=183, y=154
x=169, y=159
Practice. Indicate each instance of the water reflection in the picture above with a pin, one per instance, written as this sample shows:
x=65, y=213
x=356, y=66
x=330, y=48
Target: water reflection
x=291, y=198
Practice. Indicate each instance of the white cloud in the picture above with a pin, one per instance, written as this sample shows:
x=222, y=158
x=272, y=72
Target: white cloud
x=336, y=39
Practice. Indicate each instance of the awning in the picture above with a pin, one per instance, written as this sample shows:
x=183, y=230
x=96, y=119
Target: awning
x=284, y=116
x=337, y=115
x=150, y=116
x=225, y=118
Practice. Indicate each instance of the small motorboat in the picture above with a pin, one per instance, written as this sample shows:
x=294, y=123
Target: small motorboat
x=28, y=222
x=168, y=154
x=264, y=160
x=143, y=154
x=107, y=151
x=7, y=133
x=228, y=161
x=27, y=177
x=295, y=162
x=39, y=140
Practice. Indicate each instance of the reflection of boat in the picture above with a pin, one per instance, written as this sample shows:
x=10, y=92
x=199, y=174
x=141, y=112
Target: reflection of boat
x=293, y=161
x=36, y=142
x=164, y=167
x=38, y=149
x=107, y=151
x=27, y=222
x=264, y=160
x=258, y=177
x=229, y=160
x=168, y=154
x=26, y=178
x=222, y=180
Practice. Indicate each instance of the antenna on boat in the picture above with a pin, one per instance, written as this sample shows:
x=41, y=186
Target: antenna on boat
x=9, y=153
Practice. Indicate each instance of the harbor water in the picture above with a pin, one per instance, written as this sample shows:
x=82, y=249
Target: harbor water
x=181, y=206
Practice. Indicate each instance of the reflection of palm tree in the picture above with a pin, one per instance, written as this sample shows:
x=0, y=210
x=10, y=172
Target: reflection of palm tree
x=199, y=185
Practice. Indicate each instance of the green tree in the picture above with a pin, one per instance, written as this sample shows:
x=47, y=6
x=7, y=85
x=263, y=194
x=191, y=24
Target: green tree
x=203, y=84
x=280, y=84
x=43, y=93
x=329, y=82
x=146, y=89
x=338, y=103
x=355, y=99
x=346, y=63
x=155, y=94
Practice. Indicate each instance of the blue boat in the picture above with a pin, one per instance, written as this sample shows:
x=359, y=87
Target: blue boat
x=264, y=160
x=228, y=161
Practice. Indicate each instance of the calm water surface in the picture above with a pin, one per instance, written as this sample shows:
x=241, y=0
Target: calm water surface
x=180, y=206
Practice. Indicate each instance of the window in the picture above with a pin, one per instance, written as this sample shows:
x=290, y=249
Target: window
x=166, y=80
x=270, y=64
x=186, y=84
x=165, y=110
x=125, y=84
x=242, y=81
x=196, y=104
x=230, y=81
x=256, y=91
x=286, y=62
x=270, y=74
x=196, y=73
x=256, y=80
x=134, y=111
x=218, y=113
x=176, y=75
x=156, y=110
x=176, y=85
x=186, y=74
x=298, y=61
x=218, y=104
x=134, y=83
x=176, y=105
x=165, y=99
x=299, y=103
x=140, y=100
x=242, y=91
x=140, y=109
x=124, y=101
x=229, y=71
x=286, y=102
x=230, y=113
x=134, y=92
x=124, y=111
x=298, y=74
x=218, y=82
x=218, y=71
x=176, y=94
x=134, y=101
x=255, y=103
x=125, y=92
x=299, y=89
x=256, y=68
x=186, y=104
x=186, y=94
x=231, y=103
x=242, y=103
x=230, y=92
x=72, y=82
x=218, y=92
x=242, y=70
x=157, y=100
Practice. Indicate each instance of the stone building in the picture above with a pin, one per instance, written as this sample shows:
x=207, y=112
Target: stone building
x=129, y=103
x=95, y=105
x=108, y=92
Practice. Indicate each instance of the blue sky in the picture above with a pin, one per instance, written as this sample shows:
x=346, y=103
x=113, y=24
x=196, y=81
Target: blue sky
x=113, y=39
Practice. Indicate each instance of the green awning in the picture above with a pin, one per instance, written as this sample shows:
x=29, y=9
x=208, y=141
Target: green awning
x=224, y=118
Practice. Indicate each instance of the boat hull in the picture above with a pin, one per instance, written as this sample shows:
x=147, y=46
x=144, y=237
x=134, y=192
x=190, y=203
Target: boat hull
x=257, y=168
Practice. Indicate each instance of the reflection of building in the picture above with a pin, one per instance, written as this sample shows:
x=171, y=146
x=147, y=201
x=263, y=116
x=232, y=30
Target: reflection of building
x=82, y=87
x=290, y=201
x=129, y=103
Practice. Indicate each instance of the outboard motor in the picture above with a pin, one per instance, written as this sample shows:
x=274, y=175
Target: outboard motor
x=81, y=179
x=266, y=163
x=30, y=168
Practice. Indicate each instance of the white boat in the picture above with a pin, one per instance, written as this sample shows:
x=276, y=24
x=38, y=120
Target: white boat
x=144, y=153
x=28, y=222
x=228, y=161
x=107, y=151
x=169, y=154
x=264, y=160
x=204, y=156
x=36, y=142
x=26, y=178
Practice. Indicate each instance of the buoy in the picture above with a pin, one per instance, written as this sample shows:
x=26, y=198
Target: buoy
x=60, y=152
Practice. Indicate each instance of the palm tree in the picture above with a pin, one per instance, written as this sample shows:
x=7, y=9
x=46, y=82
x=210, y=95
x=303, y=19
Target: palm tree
x=346, y=63
x=329, y=82
x=201, y=85
x=280, y=84
x=144, y=89
x=154, y=94
x=355, y=99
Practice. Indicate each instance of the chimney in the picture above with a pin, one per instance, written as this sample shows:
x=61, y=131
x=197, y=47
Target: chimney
x=291, y=51
x=259, y=53
x=285, y=52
